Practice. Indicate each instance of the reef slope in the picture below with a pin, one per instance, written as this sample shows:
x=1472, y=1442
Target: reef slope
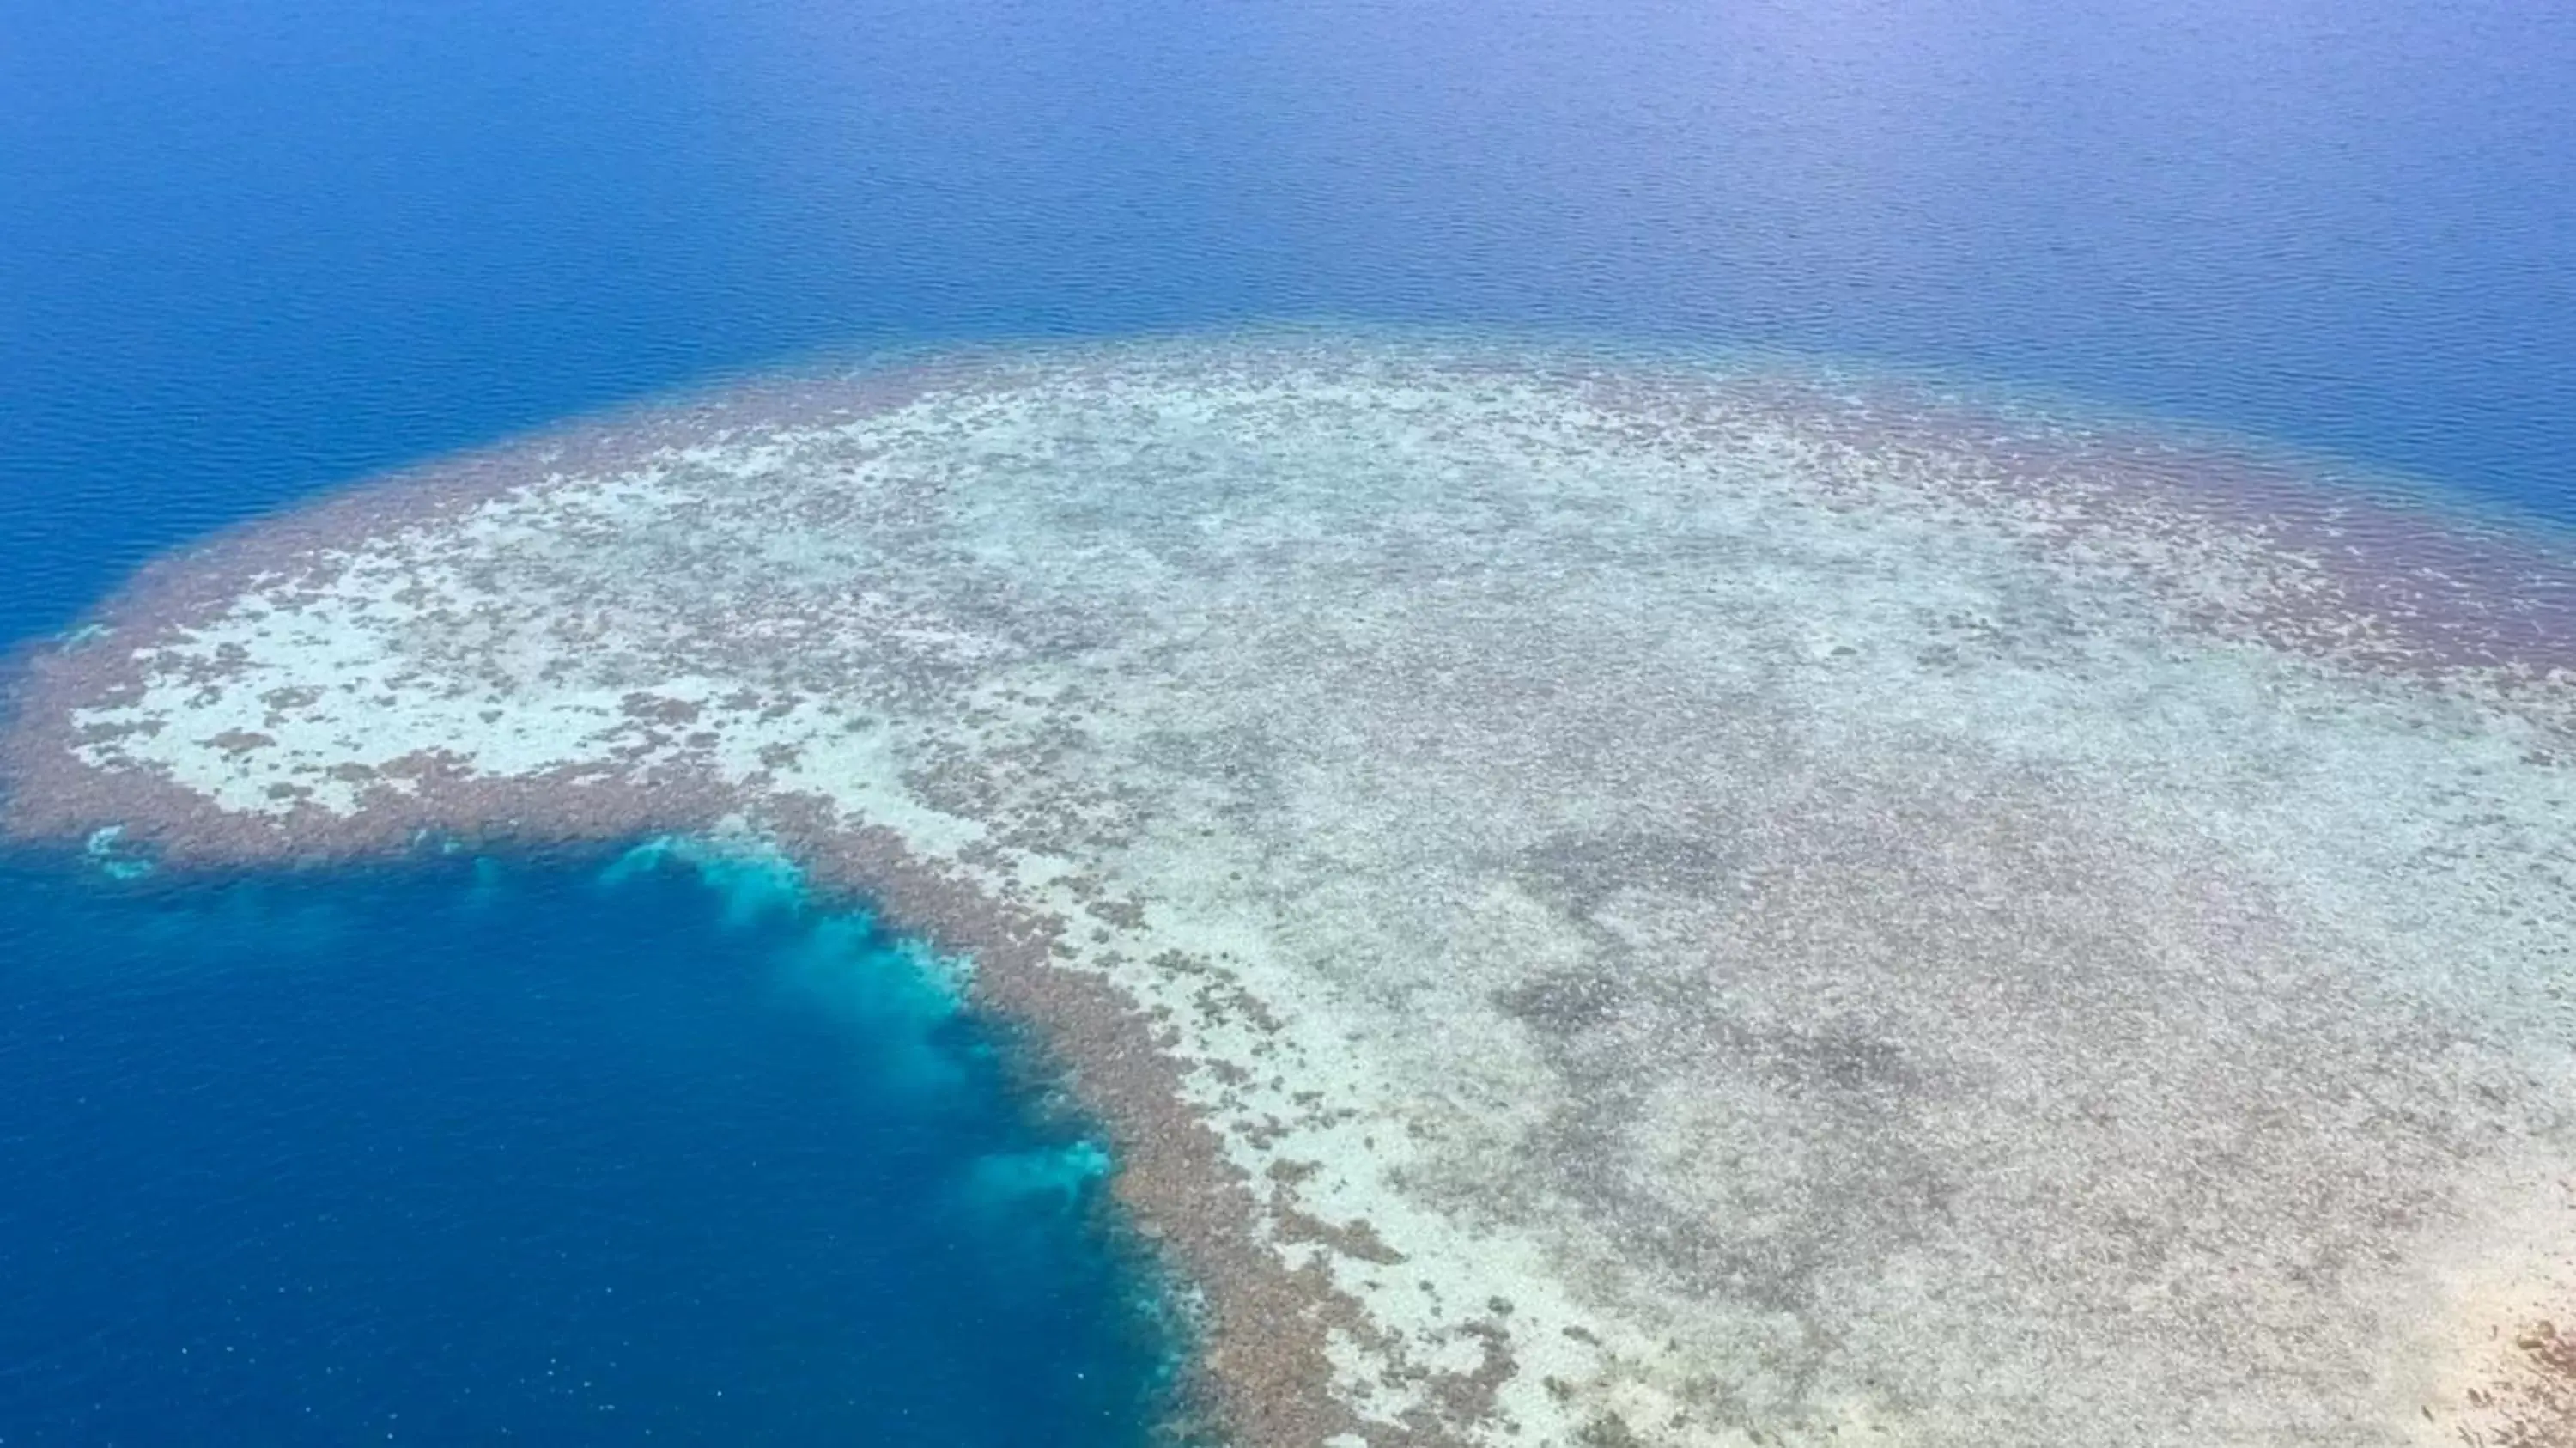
x=1607, y=900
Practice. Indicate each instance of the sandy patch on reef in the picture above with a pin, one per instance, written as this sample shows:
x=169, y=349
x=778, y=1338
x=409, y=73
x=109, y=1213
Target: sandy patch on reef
x=1607, y=900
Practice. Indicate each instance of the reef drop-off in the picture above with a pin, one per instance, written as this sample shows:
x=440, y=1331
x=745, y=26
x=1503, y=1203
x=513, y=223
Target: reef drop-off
x=1605, y=898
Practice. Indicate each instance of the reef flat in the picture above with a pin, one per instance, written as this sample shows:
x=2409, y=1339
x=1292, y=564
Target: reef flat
x=1604, y=899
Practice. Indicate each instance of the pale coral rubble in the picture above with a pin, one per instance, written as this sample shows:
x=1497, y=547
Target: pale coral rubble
x=1604, y=899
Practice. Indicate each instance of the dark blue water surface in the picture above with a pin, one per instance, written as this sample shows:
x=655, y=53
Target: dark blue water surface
x=458, y=1154
x=327, y=1159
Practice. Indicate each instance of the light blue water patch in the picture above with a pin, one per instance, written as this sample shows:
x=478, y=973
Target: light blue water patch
x=754, y=879
x=114, y=855
x=893, y=991
x=1017, y=1202
x=491, y=879
x=1055, y=1180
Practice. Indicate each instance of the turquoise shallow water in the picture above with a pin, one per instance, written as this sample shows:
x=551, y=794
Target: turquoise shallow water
x=323, y=1158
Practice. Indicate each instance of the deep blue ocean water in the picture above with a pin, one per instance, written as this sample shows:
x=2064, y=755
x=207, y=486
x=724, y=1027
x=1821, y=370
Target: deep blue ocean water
x=468, y=1152
x=284, y=1158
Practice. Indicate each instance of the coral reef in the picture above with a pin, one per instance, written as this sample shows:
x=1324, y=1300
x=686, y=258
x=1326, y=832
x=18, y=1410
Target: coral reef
x=1605, y=898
